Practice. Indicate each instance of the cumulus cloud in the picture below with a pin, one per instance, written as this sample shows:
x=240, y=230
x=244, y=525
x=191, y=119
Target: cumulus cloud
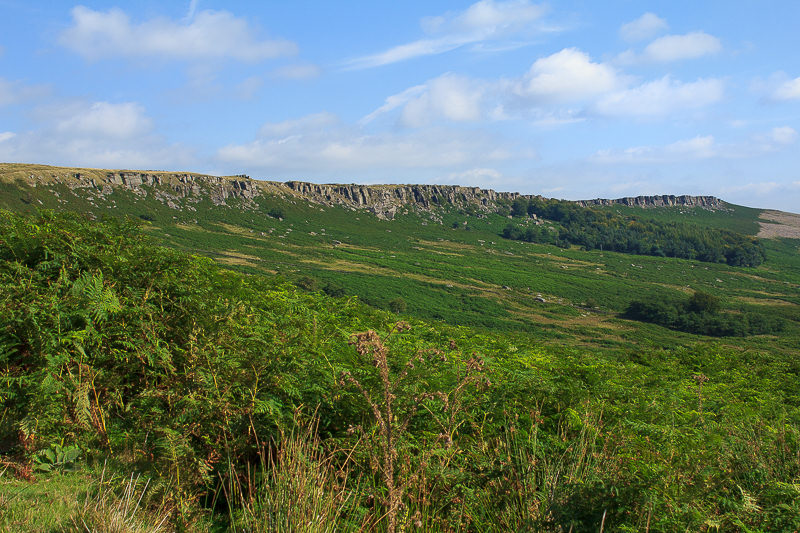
x=562, y=88
x=482, y=22
x=788, y=90
x=449, y=96
x=208, y=35
x=645, y=27
x=99, y=134
x=567, y=75
x=660, y=97
x=322, y=144
x=671, y=48
x=677, y=47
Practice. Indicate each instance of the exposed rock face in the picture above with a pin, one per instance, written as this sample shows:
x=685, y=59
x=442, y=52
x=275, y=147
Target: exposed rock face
x=665, y=200
x=385, y=200
x=183, y=190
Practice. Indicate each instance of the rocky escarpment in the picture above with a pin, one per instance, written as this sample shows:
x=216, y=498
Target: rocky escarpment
x=386, y=200
x=664, y=200
x=181, y=190
x=171, y=188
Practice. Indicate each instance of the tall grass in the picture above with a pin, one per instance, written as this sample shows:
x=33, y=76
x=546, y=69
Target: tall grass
x=125, y=509
x=296, y=487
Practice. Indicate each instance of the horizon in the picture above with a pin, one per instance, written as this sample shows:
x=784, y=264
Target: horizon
x=566, y=101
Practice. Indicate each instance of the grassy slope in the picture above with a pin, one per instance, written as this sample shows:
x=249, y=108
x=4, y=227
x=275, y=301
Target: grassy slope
x=579, y=431
x=469, y=275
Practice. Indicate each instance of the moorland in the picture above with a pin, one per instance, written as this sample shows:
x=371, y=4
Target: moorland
x=201, y=353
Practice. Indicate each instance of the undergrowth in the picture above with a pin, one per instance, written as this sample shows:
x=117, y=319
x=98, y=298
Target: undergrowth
x=228, y=401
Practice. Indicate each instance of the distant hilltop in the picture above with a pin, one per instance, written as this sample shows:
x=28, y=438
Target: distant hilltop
x=183, y=189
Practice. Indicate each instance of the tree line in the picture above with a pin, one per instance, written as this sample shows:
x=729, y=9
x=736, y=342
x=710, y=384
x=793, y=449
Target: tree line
x=595, y=229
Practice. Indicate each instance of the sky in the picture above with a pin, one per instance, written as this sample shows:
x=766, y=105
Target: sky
x=571, y=99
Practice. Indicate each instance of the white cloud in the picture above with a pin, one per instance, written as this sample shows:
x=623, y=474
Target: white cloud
x=297, y=72
x=309, y=123
x=486, y=20
x=671, y=48
x=248, y=88
x=487, y=17
x=14, y=92
x=208, y=35
x=99, y=134
x=700, y=147
x=755, y=188
x=788, y=90
x=395, y=101
x=449, y=96
x=321, y=144
x=784, y=135
x=104, y=119
x=660, y=97
x=478, y=177
x=562, y=88
x=645, y=27
x=8, y=92
x=678, y=47
x=567, y=75
x=6, y=135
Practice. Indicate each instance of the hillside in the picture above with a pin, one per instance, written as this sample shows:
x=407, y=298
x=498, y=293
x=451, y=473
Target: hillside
x=146, y=389
x=435, y=251
x=382, y=358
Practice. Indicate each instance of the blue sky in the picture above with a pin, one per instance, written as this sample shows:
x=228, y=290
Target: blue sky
x=571, y=99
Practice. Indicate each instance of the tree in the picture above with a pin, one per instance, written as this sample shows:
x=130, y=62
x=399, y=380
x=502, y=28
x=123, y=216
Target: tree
x=398, y=305
x=702, y=302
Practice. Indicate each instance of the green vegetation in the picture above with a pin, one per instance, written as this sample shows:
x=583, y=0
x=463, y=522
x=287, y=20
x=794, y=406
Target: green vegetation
x=236, y=394
x=597, y=229
x=701, y=314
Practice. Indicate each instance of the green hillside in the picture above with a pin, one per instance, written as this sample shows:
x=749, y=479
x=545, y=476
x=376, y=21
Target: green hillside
x=271, y=384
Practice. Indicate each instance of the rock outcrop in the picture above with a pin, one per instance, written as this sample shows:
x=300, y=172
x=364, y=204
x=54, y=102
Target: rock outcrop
x=386, y=200
x=184, y=190
x=664, y=200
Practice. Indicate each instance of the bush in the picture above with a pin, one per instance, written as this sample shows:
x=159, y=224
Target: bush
x=397, y=306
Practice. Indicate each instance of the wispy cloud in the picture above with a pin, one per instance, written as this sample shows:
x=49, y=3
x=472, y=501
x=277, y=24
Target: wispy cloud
x=483, y=22
x=297, y=72
x=645, y=27
x=322, y=144
x=203, y=36
x=15, y=92
x=191, y=11
x=701, y=147
x=660, y=97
